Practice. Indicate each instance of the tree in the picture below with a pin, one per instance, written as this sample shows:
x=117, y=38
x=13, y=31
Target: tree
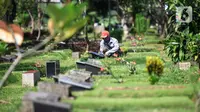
x=4, y=4
x=26, y=8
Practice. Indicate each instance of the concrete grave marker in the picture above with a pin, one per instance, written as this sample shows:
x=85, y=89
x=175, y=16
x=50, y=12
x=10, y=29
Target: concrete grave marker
x=75, y=55
x=184, y=65
x=80, y=65
x=75, y=83
x=94, y=62
x=91, y=65
x=52, y=68
x=62, y=90
x=44, y=106
x=80, y=74
x=29, y=98
x=30, y=78
x=95, y=69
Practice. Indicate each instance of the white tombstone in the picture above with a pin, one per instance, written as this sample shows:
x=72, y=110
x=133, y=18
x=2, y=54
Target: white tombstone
x=75, y=55
x=30, y=78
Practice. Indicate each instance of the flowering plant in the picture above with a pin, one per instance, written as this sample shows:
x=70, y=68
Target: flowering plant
x=40, y=67
x=130, y=65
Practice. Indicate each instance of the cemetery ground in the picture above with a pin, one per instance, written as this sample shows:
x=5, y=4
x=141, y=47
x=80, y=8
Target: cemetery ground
x=121, y=91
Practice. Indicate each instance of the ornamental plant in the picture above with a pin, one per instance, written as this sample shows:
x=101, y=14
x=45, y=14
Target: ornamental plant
x=177, y=45
x=84, y=56
x=131, y=65
x=155, y=67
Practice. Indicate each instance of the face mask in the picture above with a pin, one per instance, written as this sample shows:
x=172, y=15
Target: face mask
x=107, y=39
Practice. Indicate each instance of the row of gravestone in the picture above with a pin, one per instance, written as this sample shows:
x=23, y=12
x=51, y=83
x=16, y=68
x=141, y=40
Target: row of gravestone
x=48, y=97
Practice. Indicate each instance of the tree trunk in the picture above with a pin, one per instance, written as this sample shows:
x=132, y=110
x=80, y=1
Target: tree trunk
x=164, y=19
x=32, y=21
x=39, y=23
x=86, y=38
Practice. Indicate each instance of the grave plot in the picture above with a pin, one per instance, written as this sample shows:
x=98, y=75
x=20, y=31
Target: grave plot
x=81, y=65
x=8, y=58
x=62, y=90
x=85, y=76
x=52, y=68
x=43, y=102
x=91, y=65
x=79, y=80
x=76, y=83
x=75, y=55
x=30, y=78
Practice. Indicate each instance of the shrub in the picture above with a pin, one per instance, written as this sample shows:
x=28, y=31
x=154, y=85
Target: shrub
x=117, y=33
x=141, y=24
x=155, y=68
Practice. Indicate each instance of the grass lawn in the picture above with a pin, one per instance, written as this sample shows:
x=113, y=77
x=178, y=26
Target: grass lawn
x=173, y=93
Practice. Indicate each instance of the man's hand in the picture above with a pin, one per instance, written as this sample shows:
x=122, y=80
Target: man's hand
x=107, y=54
x=101, y=54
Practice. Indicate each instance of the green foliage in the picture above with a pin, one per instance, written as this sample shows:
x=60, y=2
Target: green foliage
x=22, y=19
x=177, y=45
x=22, y=16
x=4, y=4
x=155, y=68
x=67, y=20
x=141, y=24
x=177, y=76
x=84, y=56
x=117, y=33
x=3, y=48
x=194, y=47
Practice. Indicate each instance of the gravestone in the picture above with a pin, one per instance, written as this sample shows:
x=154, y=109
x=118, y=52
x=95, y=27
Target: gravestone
x=184, y=65
x=29, y=98
x=30, y=78
x=91, y=65
x=94, y=62
x=46, y=106
x=80, y=65
x=95, y=69
x=75, y=55
x=81, y=72
x=75, y=83
x=8, y=58
x=80, y=78
x=62, y=90
x=85, y=75
x=52, y=68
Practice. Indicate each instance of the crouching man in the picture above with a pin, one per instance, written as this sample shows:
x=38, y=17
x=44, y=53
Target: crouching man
x=109, y=46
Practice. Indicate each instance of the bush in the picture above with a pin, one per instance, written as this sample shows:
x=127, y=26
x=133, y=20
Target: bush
x=141, y=24
x=117, y=33
x=155, y=68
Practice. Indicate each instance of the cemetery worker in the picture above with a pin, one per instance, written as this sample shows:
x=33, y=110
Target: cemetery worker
x=109, y=45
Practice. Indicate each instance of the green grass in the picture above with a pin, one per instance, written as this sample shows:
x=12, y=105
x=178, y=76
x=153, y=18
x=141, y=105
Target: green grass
x=124, y=104
x=12, y=96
